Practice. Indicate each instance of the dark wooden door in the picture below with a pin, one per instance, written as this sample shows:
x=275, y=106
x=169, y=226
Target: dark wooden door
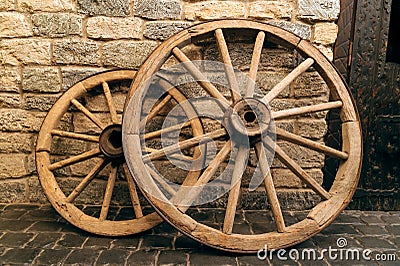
x=363, y=57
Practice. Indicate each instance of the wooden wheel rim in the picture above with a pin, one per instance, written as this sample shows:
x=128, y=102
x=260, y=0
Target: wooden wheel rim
x=54, y=193
x=322, y=214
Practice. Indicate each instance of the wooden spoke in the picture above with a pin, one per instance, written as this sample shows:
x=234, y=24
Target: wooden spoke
x=85, y=182
x=185, y=200
x=160, y=180
x=240, y=166
x=180, y=157
x=313, y=145
x=230, y=73
x=288, y=79
x=86, y=112
x=72, y=135
x=200, y=78
x=110, y=103
x=158, y=107
x=137, y=209
x=109, y=191
x=270, y=188
x=158, y=133
x=255, y=60
x=298, y=171
x=201, y=139
x=306, y=109
x=75, y=159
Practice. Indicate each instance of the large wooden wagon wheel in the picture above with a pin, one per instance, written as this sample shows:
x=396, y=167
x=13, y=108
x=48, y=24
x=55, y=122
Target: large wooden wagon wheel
x=79, y=156
x=333, y=199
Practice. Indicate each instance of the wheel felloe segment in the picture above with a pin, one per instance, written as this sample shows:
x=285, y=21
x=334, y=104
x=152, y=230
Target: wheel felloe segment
x=80, y=162
x=243, y=117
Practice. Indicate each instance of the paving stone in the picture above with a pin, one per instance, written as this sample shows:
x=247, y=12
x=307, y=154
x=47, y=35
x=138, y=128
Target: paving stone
x=264, y=227
x=249, y=260
x=351, y=262
x=46, y=226
x=327, y=241
x=305, y=244
x=339, y=229
x=172, y=257
x=19, y=256
x=98, y=242
x=18, y=226
x=184, y=242
x=391, y=219
x=112, y=257
x=12, y=214
x=52, y=256
x=165, y=228
x=396, y=241
x=142, y=258
x=371, y=219
x=372, y=229
x=42, y=214
x=289, y=218
x=71, y=241
x=393, y=229
x=156, y=241
x=12, y=239
x=217, y=258
x=315, y=262
x=258, y=216
x=375, y=242
x=82, y=257
x=205, y=215
x=44, y=240
x=67, y=227
x=22, y=206
x=126, y=242
x=220, y=216
x=243, y=228
x=276, y=260
x=345, y=218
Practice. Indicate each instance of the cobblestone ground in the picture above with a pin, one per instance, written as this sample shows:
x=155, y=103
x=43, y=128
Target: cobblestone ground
x=37, y=235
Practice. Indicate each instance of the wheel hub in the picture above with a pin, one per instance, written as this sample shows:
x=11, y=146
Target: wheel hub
x=249, y=117
x=111, y=141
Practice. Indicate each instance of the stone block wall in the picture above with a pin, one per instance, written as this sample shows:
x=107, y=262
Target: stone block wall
x=48, y=45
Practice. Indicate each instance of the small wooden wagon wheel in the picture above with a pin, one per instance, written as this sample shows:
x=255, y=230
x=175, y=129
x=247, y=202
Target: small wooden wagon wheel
x=249, y=107
x=80, y=143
